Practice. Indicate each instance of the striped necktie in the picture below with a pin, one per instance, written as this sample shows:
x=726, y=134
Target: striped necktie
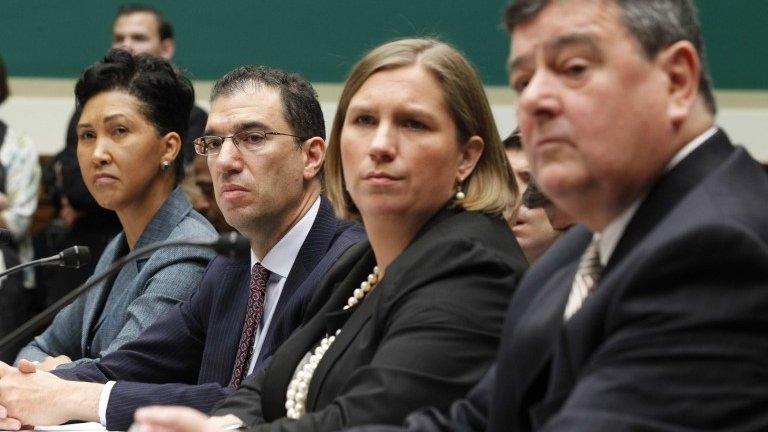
x=586, y=278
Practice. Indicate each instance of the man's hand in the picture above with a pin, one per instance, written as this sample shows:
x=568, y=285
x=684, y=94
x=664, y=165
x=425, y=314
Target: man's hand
x=180, y=419
x=50, y=363
x=7, y=423
x=33, y=397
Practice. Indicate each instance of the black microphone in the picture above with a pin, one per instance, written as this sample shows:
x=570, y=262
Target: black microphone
x=75, y=257
x=232, y=245
x=5, y=237
x=72, y=257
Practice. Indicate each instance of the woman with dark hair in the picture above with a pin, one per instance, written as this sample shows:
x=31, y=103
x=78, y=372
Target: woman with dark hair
x=134, y=111
x=414, y=317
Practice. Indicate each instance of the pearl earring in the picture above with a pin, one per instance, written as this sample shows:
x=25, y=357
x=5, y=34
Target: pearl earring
x=164, y=166
x=460, y=195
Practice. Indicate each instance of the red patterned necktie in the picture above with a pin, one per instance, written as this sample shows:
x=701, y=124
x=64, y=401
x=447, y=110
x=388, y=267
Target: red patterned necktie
x=253, y=312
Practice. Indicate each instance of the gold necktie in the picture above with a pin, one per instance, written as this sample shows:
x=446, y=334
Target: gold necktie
x=586, y=278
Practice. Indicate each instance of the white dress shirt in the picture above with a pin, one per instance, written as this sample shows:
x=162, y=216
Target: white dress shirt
x=279, y=261
x=609, y=238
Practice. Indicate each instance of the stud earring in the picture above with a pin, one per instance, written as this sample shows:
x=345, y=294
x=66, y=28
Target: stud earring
x=164, y=166
x=460, y=195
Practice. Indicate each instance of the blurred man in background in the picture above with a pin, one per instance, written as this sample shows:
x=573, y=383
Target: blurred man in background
x=530, y=224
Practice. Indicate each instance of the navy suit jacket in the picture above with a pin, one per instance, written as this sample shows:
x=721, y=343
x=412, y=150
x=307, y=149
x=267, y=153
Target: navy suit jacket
x=187, y=357
x=673, y=337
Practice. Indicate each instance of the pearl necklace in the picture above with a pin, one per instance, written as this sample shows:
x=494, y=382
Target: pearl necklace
x=296, y=396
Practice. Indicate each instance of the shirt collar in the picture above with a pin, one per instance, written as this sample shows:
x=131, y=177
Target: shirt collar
x=279, y=260
x=609, y=238
x=689, y=148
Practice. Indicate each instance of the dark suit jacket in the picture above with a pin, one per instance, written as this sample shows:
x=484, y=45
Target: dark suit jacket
x=187, y=357
x=672, y=339
x=425, y=334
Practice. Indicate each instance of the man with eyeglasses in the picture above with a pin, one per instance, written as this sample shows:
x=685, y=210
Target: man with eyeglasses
x=264, y=145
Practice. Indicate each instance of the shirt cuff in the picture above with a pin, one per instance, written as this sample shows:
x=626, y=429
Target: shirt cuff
x=104, y=401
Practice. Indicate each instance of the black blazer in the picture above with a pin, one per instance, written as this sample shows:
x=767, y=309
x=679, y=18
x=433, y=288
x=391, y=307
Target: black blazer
x=425, y=334
x=187, y=356
x=673, y=337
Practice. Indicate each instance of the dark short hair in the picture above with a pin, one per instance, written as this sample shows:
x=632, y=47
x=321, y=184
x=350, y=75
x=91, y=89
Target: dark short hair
x=533, y=197
x=4, y=90
x=513, y=142
x=165, y=94
x=165, y=28
x=656, y=24
x=301, y=107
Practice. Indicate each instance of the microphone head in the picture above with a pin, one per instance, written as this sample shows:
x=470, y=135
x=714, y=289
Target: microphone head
x=5, y=237
x=232, y=245
x=75, y=257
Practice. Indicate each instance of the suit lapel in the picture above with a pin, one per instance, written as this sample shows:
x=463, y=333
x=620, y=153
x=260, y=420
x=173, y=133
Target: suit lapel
x=312, y=250
x=302, y=276
x=670, y=190
x=330, y=296
x=355, y=320
x=534, y=336
x=237, y=274
x=97, y=295
x=124, y=280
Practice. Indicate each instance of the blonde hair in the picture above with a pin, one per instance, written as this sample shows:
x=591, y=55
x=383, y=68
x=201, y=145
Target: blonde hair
x=491, y=187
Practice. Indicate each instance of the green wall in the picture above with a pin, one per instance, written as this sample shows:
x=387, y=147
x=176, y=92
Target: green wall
x=321, y=39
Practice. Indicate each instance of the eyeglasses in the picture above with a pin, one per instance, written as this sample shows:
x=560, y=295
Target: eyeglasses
x=249, y=140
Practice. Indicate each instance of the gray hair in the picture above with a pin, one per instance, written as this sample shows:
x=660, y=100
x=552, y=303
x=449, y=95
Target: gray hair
x=656, y=24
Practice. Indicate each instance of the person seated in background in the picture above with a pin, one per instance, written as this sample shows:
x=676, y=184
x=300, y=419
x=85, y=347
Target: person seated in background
x=534, y=198
x=129, y=137
x=265, y=148
x=19, y=182
x=530, y=225
x=413, y=316
x=144, y=29
x=80, y=220
x=204, y=198
x=138, y=29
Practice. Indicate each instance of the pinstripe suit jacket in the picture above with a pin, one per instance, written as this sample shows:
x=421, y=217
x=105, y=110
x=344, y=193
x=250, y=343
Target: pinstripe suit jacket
x=187, y=357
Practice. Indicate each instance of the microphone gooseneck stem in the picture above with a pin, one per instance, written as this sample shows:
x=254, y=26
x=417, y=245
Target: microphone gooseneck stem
x=31, y=325
x=41, y=261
